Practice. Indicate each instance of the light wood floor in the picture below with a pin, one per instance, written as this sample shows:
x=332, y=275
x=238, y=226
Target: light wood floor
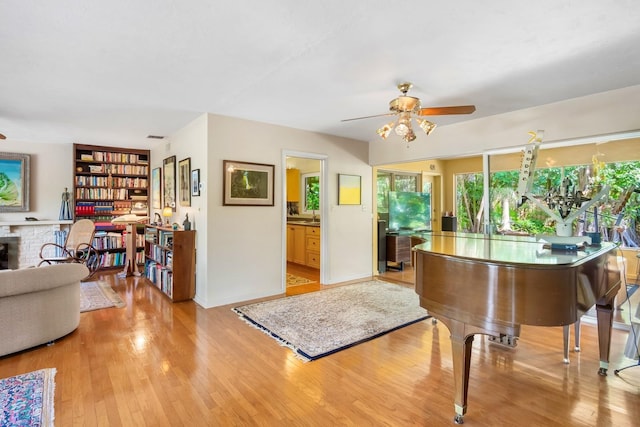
x=155, y=363
x=306, y=272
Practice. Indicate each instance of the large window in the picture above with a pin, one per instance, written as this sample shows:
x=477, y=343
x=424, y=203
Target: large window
x=618, y=215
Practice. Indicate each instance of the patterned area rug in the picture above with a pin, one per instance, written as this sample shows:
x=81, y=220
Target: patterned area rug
x=320, y=323
x=27, y=399
x=293, y=280
x=97, y=295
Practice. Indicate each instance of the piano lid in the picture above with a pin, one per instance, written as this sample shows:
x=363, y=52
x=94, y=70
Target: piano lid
x=506, y=249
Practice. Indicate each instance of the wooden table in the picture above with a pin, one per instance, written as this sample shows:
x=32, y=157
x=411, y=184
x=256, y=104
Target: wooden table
x=131, y=221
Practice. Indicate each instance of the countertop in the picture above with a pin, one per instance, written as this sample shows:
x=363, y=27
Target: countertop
x=303, y=222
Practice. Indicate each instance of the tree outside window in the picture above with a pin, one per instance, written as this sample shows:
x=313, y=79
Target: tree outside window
x=311, y=188
x=508, y=215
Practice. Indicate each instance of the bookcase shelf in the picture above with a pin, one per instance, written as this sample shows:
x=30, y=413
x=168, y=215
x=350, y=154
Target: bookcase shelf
x=170, y=261
x=109, y=182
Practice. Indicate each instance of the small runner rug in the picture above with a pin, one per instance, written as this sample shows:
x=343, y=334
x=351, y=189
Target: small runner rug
x=320, y=323
x=27, y=399
x=293, y=280
x=97, y=295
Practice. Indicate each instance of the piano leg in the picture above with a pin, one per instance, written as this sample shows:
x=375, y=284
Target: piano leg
x=605, y=322
x=461, y=343
x=565, y=336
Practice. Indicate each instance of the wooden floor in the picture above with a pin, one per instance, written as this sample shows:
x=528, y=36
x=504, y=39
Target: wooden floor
x=310, y=273
x=154, y=363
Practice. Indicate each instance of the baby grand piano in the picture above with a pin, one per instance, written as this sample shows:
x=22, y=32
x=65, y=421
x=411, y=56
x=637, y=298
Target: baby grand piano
x=479, y=284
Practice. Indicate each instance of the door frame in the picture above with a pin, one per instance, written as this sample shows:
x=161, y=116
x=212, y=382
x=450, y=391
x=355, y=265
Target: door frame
x=324, y=211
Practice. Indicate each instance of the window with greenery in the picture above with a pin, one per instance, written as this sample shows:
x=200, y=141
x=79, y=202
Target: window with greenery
x=509, y=215
x=393, y=181
x=311, y=190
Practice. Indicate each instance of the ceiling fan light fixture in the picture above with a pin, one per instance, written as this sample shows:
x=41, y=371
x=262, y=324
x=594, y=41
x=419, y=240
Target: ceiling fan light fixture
x=402, y=129
x=426, y=125
x=404, y=124
x=410, y=136
x=385, y=130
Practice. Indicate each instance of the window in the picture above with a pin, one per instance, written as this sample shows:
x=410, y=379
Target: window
x=310, y=192
x=393, y=181
x=618, y=214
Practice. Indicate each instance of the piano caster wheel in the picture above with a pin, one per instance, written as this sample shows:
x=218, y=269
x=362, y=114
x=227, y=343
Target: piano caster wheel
x=458, y=419
x=434, y=321
x=576, y=349
x=565, y=361
x=602, y=372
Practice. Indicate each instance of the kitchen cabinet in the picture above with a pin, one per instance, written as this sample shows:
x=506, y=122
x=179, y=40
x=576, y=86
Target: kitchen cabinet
x=303, y=245
x=296, y=249
x=293, y=185
x=312, y=246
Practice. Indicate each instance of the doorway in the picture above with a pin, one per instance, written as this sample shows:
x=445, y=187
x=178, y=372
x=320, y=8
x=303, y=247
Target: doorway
x=304, y=222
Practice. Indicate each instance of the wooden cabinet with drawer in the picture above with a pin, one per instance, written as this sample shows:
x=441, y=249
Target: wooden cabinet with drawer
x=312, y=244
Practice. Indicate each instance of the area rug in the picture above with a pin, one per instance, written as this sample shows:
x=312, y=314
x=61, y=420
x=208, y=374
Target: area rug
x=293, y=280
x=27, y=399
x=320, y=323
x=97, y=295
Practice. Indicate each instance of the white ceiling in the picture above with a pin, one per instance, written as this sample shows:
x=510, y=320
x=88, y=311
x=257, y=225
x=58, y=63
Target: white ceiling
x=113, y=72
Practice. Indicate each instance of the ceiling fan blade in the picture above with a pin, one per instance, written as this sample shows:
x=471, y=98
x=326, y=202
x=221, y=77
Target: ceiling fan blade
x=368, y=117
x=442, y=111
x=2, y=136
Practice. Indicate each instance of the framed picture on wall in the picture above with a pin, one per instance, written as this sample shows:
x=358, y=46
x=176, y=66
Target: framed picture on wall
x=169, y=182
x=156, y=188
x=247, y=184
x=14, y=182
x=195, y=182
x=184, y=172
x=349, y=189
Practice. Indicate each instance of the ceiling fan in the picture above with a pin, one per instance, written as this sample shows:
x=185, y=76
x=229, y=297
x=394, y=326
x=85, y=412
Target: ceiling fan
x=407, y=107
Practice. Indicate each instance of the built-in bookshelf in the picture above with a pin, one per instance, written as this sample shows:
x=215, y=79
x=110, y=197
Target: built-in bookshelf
x=170, y=261
x=109, y=182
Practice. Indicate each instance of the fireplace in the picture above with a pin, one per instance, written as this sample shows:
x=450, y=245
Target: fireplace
x=9, y=253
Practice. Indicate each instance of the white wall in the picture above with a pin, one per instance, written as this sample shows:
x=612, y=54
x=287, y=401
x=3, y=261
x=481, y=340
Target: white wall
x=190, y=142
x=604, y=113
x=51, y=171
x=244, y=247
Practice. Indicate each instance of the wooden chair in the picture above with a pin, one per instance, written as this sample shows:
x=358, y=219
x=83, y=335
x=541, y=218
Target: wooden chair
x=78, y=247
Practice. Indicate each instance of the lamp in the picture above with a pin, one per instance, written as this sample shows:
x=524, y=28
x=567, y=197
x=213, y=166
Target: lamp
x=167, y=212
x=403, y=127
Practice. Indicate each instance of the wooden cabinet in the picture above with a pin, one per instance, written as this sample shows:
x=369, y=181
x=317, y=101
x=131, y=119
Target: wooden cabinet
x=293, y=185
x=312, y=246
x=303, y=245
x=109, y=182
x=398, y=250
x=171, y=261
x=296, y=251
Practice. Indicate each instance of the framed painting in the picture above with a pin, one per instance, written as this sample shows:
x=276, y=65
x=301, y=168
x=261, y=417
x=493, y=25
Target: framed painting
x=184, y=168
x=349, y=189
x=195, y=182
x=156, y=188
x=14, y=182
x=169, y=182
x=247, y=184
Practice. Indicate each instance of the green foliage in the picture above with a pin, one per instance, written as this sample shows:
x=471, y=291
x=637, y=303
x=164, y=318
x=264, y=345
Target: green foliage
x=620, y=177
x=312, y=193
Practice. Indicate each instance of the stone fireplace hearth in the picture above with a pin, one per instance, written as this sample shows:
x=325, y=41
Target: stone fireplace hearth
x=27, y=238
x=9, y=253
